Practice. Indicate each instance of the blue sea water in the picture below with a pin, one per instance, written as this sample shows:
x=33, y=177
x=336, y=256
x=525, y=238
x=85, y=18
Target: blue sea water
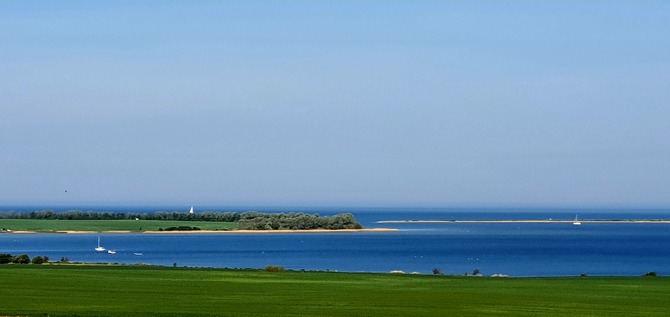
x=514, y=249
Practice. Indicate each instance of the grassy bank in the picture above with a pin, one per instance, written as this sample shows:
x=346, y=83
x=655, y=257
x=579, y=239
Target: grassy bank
x=160, y=291
x=44, y=225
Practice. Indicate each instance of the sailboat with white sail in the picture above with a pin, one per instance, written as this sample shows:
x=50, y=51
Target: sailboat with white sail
x=576, y=222
x=99, y=248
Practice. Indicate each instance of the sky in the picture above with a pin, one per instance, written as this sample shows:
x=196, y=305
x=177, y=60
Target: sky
x=335, y=103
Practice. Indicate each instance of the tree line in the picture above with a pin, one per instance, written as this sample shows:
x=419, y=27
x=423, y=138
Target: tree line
x=6, y=258
x=108, y=215
x=296, y=221
x=249, y=220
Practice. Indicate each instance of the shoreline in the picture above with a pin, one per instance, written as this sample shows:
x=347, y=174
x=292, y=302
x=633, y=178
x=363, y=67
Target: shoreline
x=528, y=221
x=210, y=231
x=272, y=231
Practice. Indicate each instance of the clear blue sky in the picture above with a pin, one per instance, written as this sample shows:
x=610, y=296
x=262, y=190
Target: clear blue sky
x=331, y=103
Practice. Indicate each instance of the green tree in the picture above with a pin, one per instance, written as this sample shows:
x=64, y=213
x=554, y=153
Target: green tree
x=22, y=259
x=38, y=260
x=6, y=258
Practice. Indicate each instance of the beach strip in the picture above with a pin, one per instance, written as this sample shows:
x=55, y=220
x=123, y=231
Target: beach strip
x=211, y=231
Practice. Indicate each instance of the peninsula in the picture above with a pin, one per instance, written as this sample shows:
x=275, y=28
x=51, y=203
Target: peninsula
x=75, y=221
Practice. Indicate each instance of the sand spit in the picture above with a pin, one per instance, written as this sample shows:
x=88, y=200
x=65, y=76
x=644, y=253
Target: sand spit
x=273, y=231
x=213, y=231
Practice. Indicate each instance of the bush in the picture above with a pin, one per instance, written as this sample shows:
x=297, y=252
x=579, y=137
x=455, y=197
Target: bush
x=6, y=258
x=22, y=259
x=180, y=228
x=437, y=271
x=650, y=274
x=38, y=260
x=274, y=268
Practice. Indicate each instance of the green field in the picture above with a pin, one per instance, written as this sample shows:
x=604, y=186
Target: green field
x=108, y=290
x=48, y=225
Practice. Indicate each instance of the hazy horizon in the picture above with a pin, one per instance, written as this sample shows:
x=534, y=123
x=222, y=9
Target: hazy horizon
x=346, y=103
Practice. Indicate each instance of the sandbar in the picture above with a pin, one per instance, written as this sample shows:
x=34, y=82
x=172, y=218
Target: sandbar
x=272, y=231
x=212, y=231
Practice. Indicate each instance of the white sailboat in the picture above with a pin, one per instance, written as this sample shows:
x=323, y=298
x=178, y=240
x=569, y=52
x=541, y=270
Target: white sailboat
x=576, y=222
x=191, y=211
x=99, y=248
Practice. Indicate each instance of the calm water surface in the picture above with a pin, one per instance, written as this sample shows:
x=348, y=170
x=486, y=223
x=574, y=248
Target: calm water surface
x=529, y=249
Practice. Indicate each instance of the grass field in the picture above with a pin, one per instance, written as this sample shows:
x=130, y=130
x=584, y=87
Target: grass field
x=108, y=290
x=41, y=225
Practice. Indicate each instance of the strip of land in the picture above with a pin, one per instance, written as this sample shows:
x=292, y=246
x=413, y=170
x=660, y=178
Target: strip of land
x=213, y=231
x=531, y=221
x=150, y=227
x=276, y=231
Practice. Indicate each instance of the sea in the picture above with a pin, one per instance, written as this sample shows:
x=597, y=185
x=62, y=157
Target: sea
x=511, y=249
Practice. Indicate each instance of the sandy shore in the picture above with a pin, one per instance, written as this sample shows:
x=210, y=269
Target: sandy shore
x=526, y=221
x=217, y=231
x=275, y=231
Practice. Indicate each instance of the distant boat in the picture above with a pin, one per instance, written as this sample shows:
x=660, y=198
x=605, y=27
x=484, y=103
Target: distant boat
x=191, y=211
x=138, y=253
x=111, y=251
x=576, y=222
x=99, y=248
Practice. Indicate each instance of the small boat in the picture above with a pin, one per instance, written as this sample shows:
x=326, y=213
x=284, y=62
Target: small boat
x=191, y=211
x=576, y=222
x=99, y=248
x=111, y=251
x=138, y=253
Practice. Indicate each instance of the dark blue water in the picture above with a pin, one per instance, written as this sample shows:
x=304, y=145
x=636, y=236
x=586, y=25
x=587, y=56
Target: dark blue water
x=529, y=249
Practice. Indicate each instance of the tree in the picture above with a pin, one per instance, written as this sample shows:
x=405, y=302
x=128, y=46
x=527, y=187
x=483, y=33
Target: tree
x=6, y=258
x=22, y=259
x=437, y=271
x=38, y=260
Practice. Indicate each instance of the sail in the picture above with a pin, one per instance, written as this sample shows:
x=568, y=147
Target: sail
x=99, y=248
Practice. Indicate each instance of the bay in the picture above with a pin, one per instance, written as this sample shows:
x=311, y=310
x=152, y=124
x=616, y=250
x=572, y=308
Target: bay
x=514, y=249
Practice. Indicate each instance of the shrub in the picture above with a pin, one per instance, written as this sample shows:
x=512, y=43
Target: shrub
x=650, y=274
x=6, y=258
x=22, y=259
x=437, y=271
x=38, y=260
x=274, y=268
x=180, y=228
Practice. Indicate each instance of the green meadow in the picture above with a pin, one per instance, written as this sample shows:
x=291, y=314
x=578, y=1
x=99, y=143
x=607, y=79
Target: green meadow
x=109, y=290
x=50, y=225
